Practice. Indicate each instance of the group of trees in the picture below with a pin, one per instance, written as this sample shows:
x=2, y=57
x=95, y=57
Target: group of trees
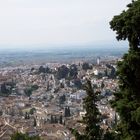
x=112, y=74
x=86, y=66
x=62, y=72
x=77, y=83
x=27, y=116
x=28, y=91
x=20, y=136
x=62, y=99
x=65, y=72
x=44, y=69
x=32, y=111
x=56, y=119
x=6, y=88
x=73, y=71
x=67, y=112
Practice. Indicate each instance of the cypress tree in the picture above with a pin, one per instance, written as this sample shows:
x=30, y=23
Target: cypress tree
x=127, y=99
x=55, y=119
x=60, y=119
x=68, y=111
x=26, y=115
x=92, y=118
x=52, y=119
x=34, y=122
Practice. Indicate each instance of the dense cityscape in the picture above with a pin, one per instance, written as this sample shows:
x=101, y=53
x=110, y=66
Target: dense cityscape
x=62, y=77
x=47, y=100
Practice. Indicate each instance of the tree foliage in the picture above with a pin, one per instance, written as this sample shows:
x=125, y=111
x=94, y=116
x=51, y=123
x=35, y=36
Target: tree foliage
x=28, y=91
x=78, y=83
x=54, y=119
x=67, y=112
x=92, y=118
x=62, y=72
x=61, y=119
x=43, y=69
x=35, y=123
x=62, y=99
x=32, y=111
x=127, y=99
x=20, y=136
x=86, y=66
x=73, y=71
x=127, y=24
x=6, y=88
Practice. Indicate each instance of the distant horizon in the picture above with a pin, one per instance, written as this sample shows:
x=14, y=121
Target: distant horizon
x=10, y=57
x=102, y=45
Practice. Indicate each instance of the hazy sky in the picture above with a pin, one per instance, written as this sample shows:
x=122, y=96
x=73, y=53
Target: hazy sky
x=57, y=22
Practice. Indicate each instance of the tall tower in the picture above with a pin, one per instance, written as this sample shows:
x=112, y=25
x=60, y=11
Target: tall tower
x=98, y=60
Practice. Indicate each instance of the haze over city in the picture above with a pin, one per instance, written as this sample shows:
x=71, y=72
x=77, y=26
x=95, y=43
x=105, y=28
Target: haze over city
x=69, y=70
